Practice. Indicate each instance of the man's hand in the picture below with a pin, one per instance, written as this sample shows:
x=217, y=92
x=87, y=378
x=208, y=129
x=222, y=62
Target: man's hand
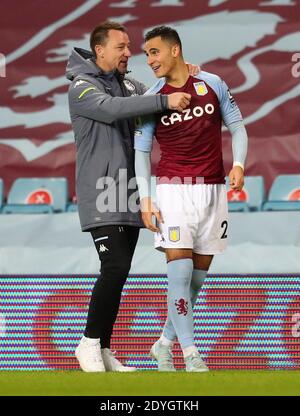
x=236, y=178
x=148, y=209
x=193, y=69
x=179, y=101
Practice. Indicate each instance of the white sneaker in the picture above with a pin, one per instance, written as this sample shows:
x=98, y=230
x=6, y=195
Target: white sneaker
x=163, y=355
x=112, y=364
x=194, y=363
x=89, y=356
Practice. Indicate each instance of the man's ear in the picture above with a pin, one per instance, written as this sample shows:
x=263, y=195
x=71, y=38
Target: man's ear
x=99, y=51
x=176, y=51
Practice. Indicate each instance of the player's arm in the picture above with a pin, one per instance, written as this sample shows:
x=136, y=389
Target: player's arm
x=239, y=150
x=233, y=119
x=143, y=145
x=143, y=177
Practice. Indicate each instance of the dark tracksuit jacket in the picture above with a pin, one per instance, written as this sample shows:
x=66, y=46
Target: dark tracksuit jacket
x=103, y=122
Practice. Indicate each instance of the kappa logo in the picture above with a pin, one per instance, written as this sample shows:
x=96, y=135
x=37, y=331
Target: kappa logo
x=79, y=83
x=200, y=88
x=129, y=85
x=103, y=248
x=174, y=234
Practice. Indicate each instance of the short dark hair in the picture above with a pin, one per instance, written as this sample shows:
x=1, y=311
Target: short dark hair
x=166, y=33
x=100, y=34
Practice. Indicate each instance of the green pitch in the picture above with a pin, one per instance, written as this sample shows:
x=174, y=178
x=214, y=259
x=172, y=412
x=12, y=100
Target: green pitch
x=147, y=383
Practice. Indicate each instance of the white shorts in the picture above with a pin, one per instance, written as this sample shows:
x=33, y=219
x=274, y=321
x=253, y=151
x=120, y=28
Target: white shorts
x=195, y=217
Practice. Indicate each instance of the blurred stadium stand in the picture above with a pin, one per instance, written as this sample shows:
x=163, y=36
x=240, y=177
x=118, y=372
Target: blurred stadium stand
x=250, y=198
x=252, y=231
x=36, y=137
x=50, y=195
x=37, y=196
x=284, y=194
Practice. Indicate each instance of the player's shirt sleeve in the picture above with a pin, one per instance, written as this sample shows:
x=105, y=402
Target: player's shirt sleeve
x=143, y=173
x=239, y=143
x=144, y=132
x=229, y=109
x=146, y=125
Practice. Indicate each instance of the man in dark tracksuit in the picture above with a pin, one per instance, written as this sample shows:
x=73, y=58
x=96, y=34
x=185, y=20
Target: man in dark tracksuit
x=103, y=102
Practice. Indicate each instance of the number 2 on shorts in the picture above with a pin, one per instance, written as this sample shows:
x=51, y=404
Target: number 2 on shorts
x=224, y=225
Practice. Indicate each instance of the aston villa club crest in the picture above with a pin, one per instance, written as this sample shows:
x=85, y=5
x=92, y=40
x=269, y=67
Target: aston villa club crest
x=174, y=234
x=200, y=88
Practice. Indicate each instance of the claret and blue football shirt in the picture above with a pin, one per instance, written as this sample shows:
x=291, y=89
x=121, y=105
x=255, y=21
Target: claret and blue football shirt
x=191, y=141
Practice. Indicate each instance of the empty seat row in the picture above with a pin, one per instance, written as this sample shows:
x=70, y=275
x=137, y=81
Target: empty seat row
x=50, y=195
x=37, y=196
x=284, y=194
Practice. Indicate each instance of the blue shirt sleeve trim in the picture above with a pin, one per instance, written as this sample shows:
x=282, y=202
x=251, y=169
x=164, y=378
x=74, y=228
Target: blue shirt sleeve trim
x=229, y=109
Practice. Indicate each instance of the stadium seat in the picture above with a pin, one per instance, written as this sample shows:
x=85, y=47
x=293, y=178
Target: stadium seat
x=1, y=193
x=37, y=196
x=250, y=198
x=284, y=194
x=72, y=207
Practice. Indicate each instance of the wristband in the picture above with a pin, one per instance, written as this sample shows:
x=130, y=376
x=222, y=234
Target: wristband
x=238, y=164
